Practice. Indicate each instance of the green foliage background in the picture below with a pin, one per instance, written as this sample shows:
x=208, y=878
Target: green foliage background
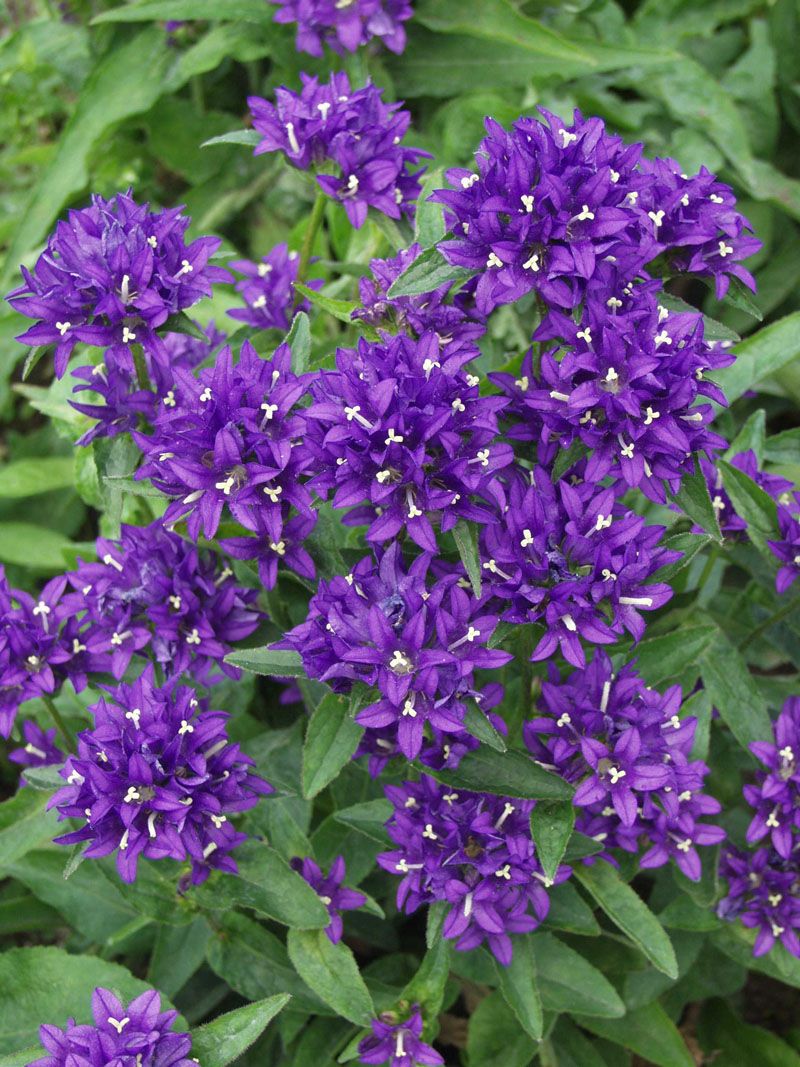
x=96, y=97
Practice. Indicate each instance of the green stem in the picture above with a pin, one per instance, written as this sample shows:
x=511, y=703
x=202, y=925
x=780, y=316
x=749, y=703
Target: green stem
x=198, y=96
x=787, y=609
x=61, y=726
x=314, y=222
x=142, y=375
x=713, y=556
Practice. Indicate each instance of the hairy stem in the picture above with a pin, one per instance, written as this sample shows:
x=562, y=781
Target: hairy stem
x=63, y=733
x=314, y=223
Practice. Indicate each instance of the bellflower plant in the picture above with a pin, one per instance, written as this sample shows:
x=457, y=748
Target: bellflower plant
x=344, y=25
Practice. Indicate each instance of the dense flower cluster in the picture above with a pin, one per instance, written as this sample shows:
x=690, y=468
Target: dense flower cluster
x=157, y=777
x=575, y=559
x=417, y=643
x=628, y=751
x=404, y=438
x=40, y=748
x=398, y=1043
x=329, y=888
x=111, y=274
x=268, y=289
x=474, y=851
x=136, y=1033
x=553, y=203
x=353, y=130
x=775, y=795
x=730, y=522
x=344, y=25
x=787, y=547
x=764, y=895
x=226, y=438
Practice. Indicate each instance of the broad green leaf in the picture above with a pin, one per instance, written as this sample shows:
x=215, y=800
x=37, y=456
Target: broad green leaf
x=752, y=435
x=737, y=943
x=51, y=985
x=332, y=972
x=628, y=911
x=37, y=547
x=518, y=984
x=191, y=10
x=755, y=506
x=504, y=774
x=426, y=273
x=246, y=137
x=783, y=447
x=661, y=659
x=27, y=477
x=694, y=500
x=434, y=922
x=495, y=1037
x=647, y=1031
x=712, y=330
x=478, y=725
x=573, y=1048
x=467, y=544
x=331, y=739
x=429, y=224
x=570, y=912
x=735, y=1042
x=299, y=341
x=734, y=693
x=276, y=662
x=760, y=355
x=225, y=1038
x=568, y=982
x=24, y=824
x=551, y=827
x=177, y=953
x=690, y=544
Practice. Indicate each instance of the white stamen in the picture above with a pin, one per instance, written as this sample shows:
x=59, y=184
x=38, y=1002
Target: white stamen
x=134, y=715
x=586, y=335
x=569, y=623
x=614, y=773
x=637, y=601
x=111, y=562
x=613, y=303
x=193, y=638
x=169, y=400
x=567, y=137
x=206, y=395
x=468, y=182
x=492, y=567
x=118, y=1024
x=527, y=538
x=294, y=144
x=504, y=872
x=62, y=327
x=185, y=728
x=585, y=214
x=429, y=833
x=151, y=823
x=657, y=217
x=408, y=707
x=662, y=338
x=522, y=383
x=226, y=486
x=508, y=809
x=649, y=415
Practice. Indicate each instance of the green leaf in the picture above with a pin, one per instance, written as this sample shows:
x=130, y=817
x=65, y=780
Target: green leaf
x=761, y=355
x=504, y=774
x=246, y=137
x=426, y=273
x=736, y=1042
x=712, y=330
x=182, y=323
x=628, y=911
x=467, y=544
x=734, y=693
x=519, y=987
x=368, y=818
x=427, y=986
x=276, y=662
x=339, y=309
x=661, y=659
x=24, y=824
x=223, y=1040
x=568, y=982
x=429, y=226
x=268, y=885
x=44, y=778
x=476, y=722
x=694, y=500
x=572, y=1048
x=755, y=506
x=332, y=972
x=752, y=435
x=739, y=296
x=551, y=828
x=783, y=447
x=38, y=548
x=299, y=341
x=27, y=477
x=495, y=1037
x=51, y=985
x=648, y=1031
x=331, y=739
x=188, y=10
x=177, y=954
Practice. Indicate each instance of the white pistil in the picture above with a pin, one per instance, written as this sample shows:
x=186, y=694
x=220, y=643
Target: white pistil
x=186, y=268
x=193, y=638
x=523, y=383
x=569, y=623
x=428, y=832
x=564, y=397
x=449, y=798
x=625, y=450
x=117, y=639
x=725, y=250
x=264, y=269
x=632, y=197
x=649, y=415
x=151, y=823
x=169, y=400
x=567, y=137
x=294, y=144
x=602, y=523
x=492, y=567
x=413, y=511
x=62, y=327
x=614, y=175
x=111, y=562
x=123, y=844
x=127, y=335
x=775, y=899
x=210, y=847
x=42, y=609
x=608, y=575
x=164, y=456
x=527, y=201
x=400, y=663
x=469, y=636
x=532, y=263
x=605, y=695
x=75, y=778
x=637, y=601
x=564, y=720
x=32, y=750
x=152, y=240
x=527, y=538
x=716, y=199
x=615, y=774
x=226, y=486
x=504, y=872
x=428, y=366
x=134, y=715
x=190, y=498
x=685, y=845
x=399, y=1047
x=657, y=217
x=494, y=260
x=404, y=866
x=323, y=109
x=673, y=721
x=185, y=728
x=662, y=338
x=467, y=905
x=132, y=795
x=119, y=1024
x=269, y=410
x=611, y=376
x=125, y=288
x=508, y=809
x=175, y=602
x=408, y=707
x=206, y=395
x=718, y=504
x=469, y=181
x=458, y=405
x=354, y=412
x=586, y=335
x=613, y=303
x=352, y=186
x=273, y=494
x=663, y=313
x=218, y=820
x=393, y=438
x=772, y=822
x=584, y=216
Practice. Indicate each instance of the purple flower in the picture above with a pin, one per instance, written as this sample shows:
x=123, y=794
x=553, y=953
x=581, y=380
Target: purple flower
x=763, y=894
x=353, y=129
x=122, y=1034
x=418, y=646
x=399, y=1044
x=152, y=590
x=112, y=273
x=730, y=522
x=344, y=25
x=158, y=778
x=231, y=438
x=787, y=548
x=474, y=851
x=403, y=436
x=335, y=896
x=775, y=795
x=40, y=748
x=268, y=289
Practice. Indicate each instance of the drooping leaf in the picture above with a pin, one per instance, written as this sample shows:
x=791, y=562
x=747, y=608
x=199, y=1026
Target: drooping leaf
x=467, y=545
x=551, y=827
x=332, y=972
x=519, y=986
x=27, y=477
x=734, y=693
x=568, y=982
x=648, y=1031
x=331, y=739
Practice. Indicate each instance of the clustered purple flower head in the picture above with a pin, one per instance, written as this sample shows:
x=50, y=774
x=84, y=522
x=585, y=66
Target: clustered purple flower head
x=111, y=274
x=628, y=752
x=231, y=437
x=454, y=319
x=417, y=643
x=353, y=130
x=398, y=1043
x=775, y=794
x=627, y=389
x=152, y=591
x=40, y=748
x=474, y=851
x=268, y=289
x=764, y=894
x=552, y=203
x=730, y=522
x=574, y=559
x=157, y=777
x=127, y=403
x=344, y=25
x=403, y=437
x=787, y=548
x=329, y=888
x=136, y=1033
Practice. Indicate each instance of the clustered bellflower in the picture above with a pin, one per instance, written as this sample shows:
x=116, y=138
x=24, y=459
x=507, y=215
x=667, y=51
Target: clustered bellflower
x=267, y=288
x=156, y=776
x=628, y=751
x=135, y=1033
x=332, y=125
x=398, y=1043
x=474, y=851
x=344, y=25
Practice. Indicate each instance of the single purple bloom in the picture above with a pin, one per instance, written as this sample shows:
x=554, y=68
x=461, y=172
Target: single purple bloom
x=335, y=896
x=398, y=1044
x=268, y=289
x=345, y=25
x=787, y=547
x=40, y=748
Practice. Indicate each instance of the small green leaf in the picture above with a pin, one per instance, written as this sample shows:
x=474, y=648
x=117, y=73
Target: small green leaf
x=504, y=774
x=181, y=323
x=478, y=725
x=426, y=273
x=739, y=296
x=246, y=137
x=429, y=226
x=628, y=911
x=467, y=544
x=223, y=1040
x=45, y=778
x=519, y=987
x=39, y=548
x=332, y=972
x=368, y=818
x=784, y=447
x=339, y=309
x=276, y=662
x=712, y=330
x=752, y=435
x=427, y=986
x=434, y=922
x=551, y=827
x=331, y=739
x=753, y=504
x=694, y=500
x=299, y=341
x=24, y=824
